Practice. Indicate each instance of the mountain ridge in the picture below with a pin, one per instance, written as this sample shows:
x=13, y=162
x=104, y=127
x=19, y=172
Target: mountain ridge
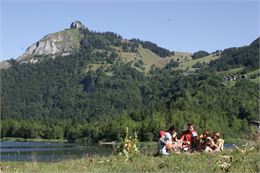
x=62, y=42
x=111, y=83
x=71, y=40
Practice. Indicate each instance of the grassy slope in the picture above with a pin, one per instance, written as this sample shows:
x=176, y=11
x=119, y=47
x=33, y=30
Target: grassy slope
x=252, y=74
x=239, y=69
x=71, y=35
x=255, y=72
x=71, y=38
x=147, y=56
x=232, y=71
x=256, y=80
x=190, y=62
x=150, y=58
x=198, y=162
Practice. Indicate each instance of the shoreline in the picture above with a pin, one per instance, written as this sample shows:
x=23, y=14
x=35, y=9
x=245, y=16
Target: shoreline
x=234, y=160
x=237, y=141
x=14, y=139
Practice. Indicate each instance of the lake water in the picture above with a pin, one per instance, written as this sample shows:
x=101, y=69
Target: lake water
x=43, y=151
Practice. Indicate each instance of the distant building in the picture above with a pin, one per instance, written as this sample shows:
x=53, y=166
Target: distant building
x=230, y=78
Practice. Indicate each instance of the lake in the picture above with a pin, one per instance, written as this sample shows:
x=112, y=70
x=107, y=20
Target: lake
x=44, y=151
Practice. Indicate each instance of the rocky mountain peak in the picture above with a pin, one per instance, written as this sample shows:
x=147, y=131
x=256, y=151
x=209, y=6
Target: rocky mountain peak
x=76, y=25
x=59, y=43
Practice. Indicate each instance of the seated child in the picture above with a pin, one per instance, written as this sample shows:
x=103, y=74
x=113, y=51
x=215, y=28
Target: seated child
x=177, y=145
x=218, y=144
x=203, y=141
x=165, y=143
x=188, y=138
x=215, y=143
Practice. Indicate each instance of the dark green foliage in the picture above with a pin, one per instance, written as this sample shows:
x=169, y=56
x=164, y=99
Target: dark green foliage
x=256, y=43
x=58, y=98
x=199, y=54
x=129, y=46
x=198, y=65
x=172, y=64
x=162, y=52
x=158, y=50
x=103, y=40
x=247, y=56
x=100, y=40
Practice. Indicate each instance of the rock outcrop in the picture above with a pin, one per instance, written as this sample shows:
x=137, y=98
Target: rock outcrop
x=59, y=43
x=4, y=65
x=76, y=25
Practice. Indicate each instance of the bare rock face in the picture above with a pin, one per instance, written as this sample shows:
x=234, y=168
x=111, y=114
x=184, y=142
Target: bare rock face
x=59, y=43
x=4, y=65
x=43, y=47
x=76, y=25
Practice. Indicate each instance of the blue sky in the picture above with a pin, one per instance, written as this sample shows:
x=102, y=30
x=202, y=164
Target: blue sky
x=177, y=25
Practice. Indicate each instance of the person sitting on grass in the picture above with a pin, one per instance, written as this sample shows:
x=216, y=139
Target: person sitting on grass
x=216, y=144
x=203, y=141
x=188, y=138
x=165, y=143
x=176, y=143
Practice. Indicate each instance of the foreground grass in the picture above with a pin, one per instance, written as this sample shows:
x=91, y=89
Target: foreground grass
x=227, y=161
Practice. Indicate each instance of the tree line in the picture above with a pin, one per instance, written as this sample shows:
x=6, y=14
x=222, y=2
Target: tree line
x=59, y=98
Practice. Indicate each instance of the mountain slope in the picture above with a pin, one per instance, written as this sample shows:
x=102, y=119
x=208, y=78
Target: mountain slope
x=110, y=83
x=59, y=43
x=72, y=40
x=247, y=56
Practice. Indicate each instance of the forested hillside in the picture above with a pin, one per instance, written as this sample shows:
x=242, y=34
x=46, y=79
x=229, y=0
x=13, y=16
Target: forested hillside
x=74, y=98
x=247, y=56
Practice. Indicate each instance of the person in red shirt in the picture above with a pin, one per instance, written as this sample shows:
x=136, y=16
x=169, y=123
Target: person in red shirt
x=189, y=138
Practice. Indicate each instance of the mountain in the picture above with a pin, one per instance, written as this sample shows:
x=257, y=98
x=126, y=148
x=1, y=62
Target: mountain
x=106, y=83
x=247, y=56
x=256, y=42
x=4, y=65
x=59, y=43
x=71, y=40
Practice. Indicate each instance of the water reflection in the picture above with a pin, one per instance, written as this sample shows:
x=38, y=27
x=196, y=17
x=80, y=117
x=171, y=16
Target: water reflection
x=43, y=151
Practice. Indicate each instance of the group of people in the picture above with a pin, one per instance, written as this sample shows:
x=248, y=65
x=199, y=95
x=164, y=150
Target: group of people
x=189, y=141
